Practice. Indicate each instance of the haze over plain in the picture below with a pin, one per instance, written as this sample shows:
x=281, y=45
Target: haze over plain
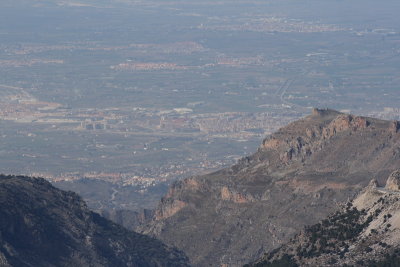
x=140, y=93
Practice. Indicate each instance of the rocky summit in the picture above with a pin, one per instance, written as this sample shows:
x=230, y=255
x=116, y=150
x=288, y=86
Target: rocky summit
x=44, y=226
x=364, y=232
x=296, y=178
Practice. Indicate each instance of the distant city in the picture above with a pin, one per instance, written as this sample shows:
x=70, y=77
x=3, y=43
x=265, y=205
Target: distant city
x=140, y=93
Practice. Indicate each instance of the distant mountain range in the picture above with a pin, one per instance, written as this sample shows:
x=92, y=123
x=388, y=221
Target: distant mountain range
x=44, y=226
x=298, y=176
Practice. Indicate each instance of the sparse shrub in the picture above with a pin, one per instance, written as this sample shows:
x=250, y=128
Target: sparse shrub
x=368, y=249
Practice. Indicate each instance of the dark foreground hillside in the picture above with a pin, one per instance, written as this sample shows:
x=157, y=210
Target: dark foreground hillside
x=44, y=226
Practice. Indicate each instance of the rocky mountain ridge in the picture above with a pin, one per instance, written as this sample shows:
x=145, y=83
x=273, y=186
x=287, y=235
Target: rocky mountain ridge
x=296, y=178
x=44, y=226
x=365, y=232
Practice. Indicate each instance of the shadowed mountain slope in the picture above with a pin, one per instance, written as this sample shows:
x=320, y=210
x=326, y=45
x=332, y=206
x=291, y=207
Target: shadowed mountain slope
x=44, y=226
x=296, y=178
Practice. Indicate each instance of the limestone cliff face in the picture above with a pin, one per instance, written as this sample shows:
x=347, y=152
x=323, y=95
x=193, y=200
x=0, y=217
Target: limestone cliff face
x=169, y=208
x=297, y=177
x=364, y=232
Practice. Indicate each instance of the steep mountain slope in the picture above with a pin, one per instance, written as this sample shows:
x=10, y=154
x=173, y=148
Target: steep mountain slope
x=128, y=218
x=296, y=178
x=44, y=226
x=366, y=232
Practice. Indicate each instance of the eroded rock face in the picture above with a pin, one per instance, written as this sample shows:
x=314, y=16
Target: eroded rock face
x=393, y=182
x=236, y=197
x=344, y=122
x=169, y=208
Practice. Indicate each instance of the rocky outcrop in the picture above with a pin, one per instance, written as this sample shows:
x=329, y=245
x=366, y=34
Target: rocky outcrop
x=169, y=208
x=373, y=184
x=344, y=122
x=44, y=226
x=273, y=143
x=169, y=205
x=298, y=148
x=236, y=214
x=234, y=196
x=363, y=232
x=393, y=182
